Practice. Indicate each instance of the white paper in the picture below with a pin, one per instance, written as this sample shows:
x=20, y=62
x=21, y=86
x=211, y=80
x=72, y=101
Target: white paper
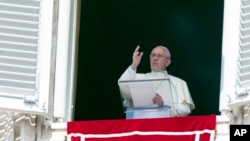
x=142, y=93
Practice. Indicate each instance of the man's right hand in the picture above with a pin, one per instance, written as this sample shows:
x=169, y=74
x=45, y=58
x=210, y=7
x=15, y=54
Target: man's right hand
x=136, y=58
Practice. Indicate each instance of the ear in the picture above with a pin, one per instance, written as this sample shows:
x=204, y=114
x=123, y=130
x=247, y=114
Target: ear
x=168, y=62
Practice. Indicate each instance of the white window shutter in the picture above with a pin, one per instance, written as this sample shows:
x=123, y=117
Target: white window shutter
x=244, y=51
x=22, y=54
x=242, y=89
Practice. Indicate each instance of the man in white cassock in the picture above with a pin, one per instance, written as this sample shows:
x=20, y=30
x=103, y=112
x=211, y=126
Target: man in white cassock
x=172, y=92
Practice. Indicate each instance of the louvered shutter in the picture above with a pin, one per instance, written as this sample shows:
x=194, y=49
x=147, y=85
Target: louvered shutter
x=244, y=51
x=20, y=24
x=242, y=84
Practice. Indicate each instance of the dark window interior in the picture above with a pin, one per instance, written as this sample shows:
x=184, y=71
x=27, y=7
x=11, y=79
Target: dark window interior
x=111, y=29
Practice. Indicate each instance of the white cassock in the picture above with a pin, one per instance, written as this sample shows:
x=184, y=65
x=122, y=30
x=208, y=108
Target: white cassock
x=174, y=92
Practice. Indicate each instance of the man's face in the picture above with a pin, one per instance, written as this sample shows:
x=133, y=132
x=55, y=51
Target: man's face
x=158, y=59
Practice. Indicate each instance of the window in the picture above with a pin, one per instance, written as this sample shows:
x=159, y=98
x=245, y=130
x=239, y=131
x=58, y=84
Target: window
x=25, y=54
x=235, y=81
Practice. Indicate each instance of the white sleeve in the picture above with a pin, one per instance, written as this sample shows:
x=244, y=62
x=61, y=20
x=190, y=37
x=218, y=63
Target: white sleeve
x=187, y=96
x=128, y=74
x=183, y=109
x=186, y=104
x=124, y=87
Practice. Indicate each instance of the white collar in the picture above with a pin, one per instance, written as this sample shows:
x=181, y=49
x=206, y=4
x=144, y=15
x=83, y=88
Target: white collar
x=163, y=74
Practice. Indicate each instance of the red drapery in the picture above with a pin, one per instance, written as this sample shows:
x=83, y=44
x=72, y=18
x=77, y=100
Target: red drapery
x=190, y=128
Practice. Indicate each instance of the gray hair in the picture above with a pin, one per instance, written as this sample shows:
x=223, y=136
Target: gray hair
x=168, y=55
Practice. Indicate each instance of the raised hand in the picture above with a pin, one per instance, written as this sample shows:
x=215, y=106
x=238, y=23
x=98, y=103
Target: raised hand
x=136, y=58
